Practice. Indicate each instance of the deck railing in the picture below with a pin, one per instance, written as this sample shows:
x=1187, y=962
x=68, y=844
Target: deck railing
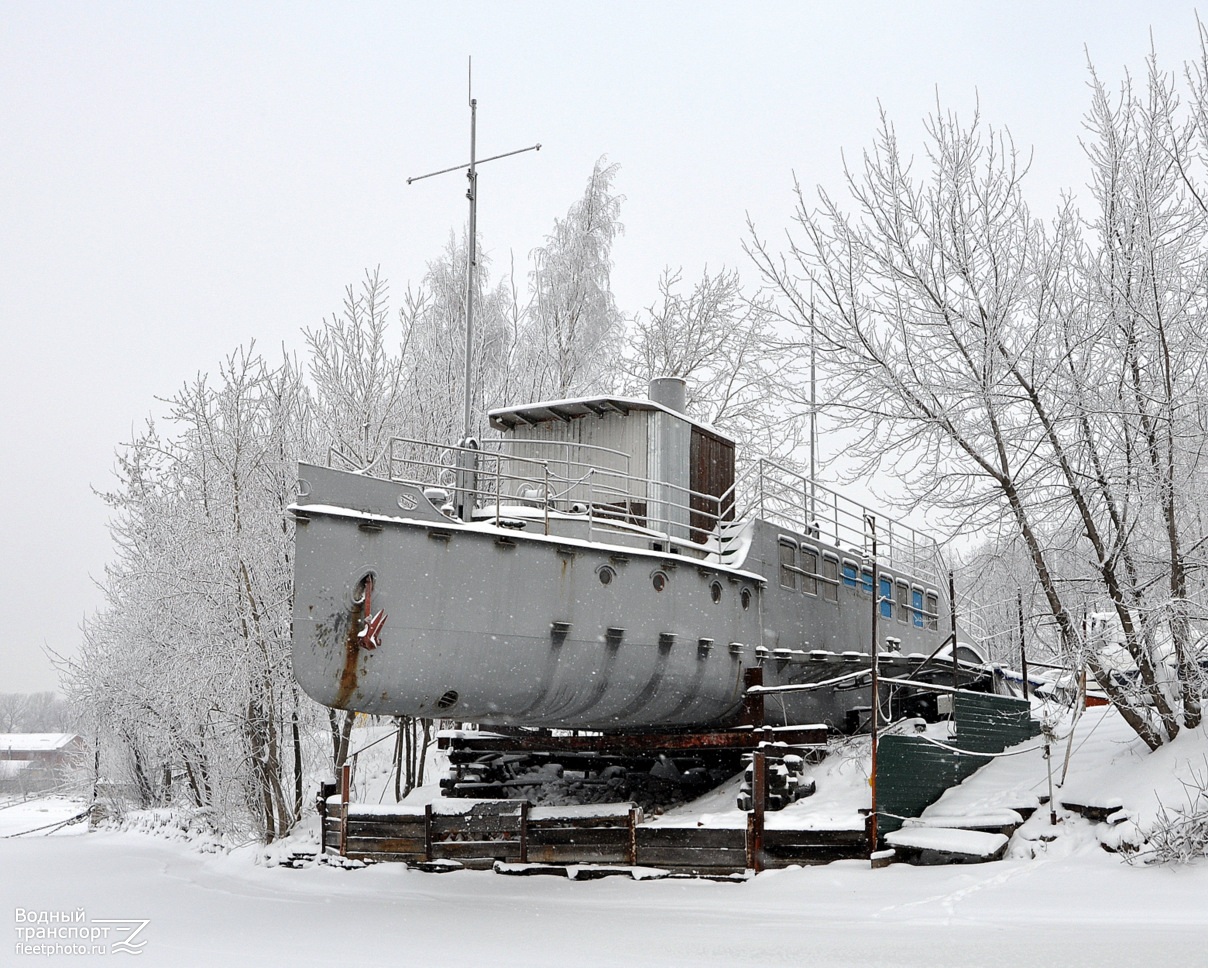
x=562, y=477
x=776, y=493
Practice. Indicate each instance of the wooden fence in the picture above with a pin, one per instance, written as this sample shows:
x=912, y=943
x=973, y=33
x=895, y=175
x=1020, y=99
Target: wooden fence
x=480, y=833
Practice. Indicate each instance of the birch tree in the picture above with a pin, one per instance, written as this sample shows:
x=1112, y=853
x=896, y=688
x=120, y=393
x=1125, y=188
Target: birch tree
x=573, y=314
x=434, y=322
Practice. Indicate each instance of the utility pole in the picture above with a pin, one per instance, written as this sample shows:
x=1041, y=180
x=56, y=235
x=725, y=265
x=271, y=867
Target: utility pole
x=813, y=512
x=870, y=528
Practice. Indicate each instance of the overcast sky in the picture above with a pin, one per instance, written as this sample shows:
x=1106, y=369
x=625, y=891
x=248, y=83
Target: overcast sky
x=177, y=180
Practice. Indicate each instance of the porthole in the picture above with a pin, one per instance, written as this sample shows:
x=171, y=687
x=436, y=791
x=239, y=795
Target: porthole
x=745, y=598
x=357, y=589
x=715, y=592
x=659, y=580
x=606, y=574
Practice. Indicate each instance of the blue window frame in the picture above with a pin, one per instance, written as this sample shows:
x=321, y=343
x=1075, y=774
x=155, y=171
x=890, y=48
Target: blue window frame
x=866, y=581
x=849, y=574
x=916, y=607
x=886, y=597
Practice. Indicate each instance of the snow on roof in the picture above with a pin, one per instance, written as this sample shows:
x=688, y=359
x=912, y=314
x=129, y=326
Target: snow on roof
x=508, y=418
x=35, y=742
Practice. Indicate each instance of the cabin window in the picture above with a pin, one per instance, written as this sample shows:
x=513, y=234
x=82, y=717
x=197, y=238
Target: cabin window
x=886, y=595
x=866, y=581
x=916, y=607
x=830, y=578
x=933, y=611
x=849, y=573
x=788, y=564
x=903, y=602
x=809, y=570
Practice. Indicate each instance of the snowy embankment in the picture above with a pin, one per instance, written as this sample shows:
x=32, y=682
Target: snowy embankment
x=1059, y=898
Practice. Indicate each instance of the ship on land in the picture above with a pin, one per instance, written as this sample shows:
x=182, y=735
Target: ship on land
x=599, y=566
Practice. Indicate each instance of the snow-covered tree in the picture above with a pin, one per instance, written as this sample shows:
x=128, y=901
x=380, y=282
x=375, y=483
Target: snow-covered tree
x=1049, y=374
x=573, y=314
x=721, y=343
x=434, y=324
x=186, y=670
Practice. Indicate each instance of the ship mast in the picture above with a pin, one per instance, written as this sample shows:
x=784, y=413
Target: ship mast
x=472, y=245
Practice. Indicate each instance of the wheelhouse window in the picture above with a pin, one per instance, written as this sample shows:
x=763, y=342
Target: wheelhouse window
x=830, y=578
x=886, y=596
x=788, y=564
x=850, y=573
x=916, y=607
x=903, y=601
x=932, y=613
x=866, y=581
x=809, y=570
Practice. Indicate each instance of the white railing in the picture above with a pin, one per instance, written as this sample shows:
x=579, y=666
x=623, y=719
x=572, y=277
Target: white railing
x=776, y=493
x=569, y=478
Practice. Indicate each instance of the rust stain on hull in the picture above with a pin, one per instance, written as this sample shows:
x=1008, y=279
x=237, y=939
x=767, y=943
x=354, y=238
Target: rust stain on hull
x=348, y=675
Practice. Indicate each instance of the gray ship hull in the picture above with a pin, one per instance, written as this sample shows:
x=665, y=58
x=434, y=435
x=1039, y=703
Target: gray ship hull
x=401, y=609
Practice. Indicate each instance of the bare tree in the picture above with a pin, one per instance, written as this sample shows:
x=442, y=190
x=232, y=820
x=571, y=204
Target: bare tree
x=33, y=712
x=1046, y=374
x=722, y=344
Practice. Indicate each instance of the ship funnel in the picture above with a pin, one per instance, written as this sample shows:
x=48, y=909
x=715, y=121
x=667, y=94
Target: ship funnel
x=669, y=391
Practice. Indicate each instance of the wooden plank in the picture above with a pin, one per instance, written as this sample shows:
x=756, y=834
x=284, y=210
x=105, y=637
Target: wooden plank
x=359, y=817
x=695, y=837
x=814, y=838
x=687, y=857
x=387, y=858
x=483, y=863
x=387, y=845
x=465, y=849
x=577, y=854
x=356, y=829
x=590, y=836
x=580, y=823
x=813, y=854
x=474, y=826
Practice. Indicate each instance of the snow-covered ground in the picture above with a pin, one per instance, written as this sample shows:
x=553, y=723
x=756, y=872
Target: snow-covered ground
x=1064, y=901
